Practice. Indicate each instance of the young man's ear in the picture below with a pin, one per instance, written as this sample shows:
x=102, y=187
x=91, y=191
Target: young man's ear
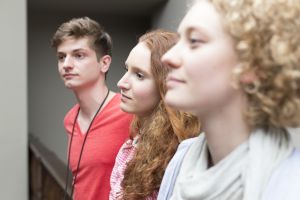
x=105, y=63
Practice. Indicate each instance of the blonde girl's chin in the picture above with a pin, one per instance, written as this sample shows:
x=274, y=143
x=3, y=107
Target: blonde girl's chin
x=173, y=101
x=178, y=103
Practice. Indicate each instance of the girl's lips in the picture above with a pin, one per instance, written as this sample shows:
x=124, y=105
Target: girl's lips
x=125, y=96
x=173, y=78
x=172, y=81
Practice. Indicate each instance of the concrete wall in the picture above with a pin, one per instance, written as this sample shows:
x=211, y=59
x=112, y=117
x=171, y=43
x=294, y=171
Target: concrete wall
x=49, y=100
x=170, y=15
x=13, y=101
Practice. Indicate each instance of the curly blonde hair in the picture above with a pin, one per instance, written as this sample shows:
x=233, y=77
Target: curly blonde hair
x=267, y=42
x=160, y=133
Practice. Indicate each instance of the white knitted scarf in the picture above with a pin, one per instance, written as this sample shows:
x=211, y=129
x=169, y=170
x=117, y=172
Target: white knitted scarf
x=242, y=175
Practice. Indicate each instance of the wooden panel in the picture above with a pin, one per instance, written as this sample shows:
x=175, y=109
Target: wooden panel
x=46, y=173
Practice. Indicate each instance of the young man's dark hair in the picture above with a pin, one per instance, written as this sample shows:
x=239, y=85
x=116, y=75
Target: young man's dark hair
x=76, y=28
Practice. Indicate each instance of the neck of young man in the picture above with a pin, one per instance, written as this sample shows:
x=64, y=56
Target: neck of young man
x=90, y=98
x=225, y=130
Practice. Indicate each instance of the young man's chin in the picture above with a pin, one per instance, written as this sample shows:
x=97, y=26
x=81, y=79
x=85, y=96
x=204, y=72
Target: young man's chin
x=69, y=85
x=72, y=86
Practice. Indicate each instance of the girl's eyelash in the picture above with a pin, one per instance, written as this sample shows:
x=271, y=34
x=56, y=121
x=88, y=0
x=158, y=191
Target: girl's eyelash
x=194, y=40
x=135, y=72
x=139, y=75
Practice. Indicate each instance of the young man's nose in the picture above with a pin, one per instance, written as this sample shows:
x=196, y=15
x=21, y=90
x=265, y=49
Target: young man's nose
x=68, y=63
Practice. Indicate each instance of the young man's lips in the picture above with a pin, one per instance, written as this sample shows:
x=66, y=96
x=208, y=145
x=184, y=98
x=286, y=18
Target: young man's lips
x=68, y=75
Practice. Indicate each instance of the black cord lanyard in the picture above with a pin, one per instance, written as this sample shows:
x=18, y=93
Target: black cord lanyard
x=78, y=164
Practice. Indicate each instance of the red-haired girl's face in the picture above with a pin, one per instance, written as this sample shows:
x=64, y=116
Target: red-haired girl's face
x=139, y=93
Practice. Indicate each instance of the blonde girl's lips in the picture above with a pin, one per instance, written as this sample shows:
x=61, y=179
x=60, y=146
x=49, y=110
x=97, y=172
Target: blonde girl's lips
x=172, y=82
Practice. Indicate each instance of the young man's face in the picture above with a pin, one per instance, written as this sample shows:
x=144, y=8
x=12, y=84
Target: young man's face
x=78, y=65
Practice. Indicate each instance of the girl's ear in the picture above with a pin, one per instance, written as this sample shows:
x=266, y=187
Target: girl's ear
x=246, y=80
x=105, y=62
x=250, y=81
x=249, y=77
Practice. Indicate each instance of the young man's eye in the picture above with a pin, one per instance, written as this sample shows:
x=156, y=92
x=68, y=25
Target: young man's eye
x=60, y=58
x=79, y=56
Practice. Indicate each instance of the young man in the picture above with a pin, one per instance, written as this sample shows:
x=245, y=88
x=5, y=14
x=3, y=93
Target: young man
x=96, y=126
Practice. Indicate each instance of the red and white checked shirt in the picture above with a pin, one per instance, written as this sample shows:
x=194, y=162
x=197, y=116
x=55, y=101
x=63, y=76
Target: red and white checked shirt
x=125, y=154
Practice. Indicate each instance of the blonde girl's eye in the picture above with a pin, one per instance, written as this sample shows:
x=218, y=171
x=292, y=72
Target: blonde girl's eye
x=195, y=42
x=196, y=38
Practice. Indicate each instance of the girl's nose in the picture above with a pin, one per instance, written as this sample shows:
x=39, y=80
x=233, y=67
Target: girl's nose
x=123, y=83
x=172, y=58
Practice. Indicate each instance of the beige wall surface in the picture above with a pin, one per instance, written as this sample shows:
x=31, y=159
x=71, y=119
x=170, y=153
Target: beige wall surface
x=171, y=14
x=13, y=101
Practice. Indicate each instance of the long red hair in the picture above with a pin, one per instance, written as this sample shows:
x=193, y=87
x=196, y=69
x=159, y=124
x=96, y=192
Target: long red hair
x=160, y=133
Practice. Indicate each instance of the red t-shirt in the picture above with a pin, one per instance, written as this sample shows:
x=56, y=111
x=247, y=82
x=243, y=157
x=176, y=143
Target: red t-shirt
x=109, y=131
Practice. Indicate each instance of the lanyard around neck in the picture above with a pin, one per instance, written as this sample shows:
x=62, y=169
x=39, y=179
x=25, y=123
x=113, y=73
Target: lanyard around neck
x=82, y=147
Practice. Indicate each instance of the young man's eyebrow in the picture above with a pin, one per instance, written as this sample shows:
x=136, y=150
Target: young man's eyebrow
x=74, y=50
x=79, y=49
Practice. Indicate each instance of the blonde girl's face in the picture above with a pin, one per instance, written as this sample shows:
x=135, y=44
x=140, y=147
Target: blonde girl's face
x=201, y=63
x=139, y=93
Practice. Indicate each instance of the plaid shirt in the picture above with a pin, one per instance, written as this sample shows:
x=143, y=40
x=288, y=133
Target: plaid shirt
x=125, y=154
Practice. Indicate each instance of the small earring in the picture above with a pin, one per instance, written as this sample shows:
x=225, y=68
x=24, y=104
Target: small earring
x=252, y=87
